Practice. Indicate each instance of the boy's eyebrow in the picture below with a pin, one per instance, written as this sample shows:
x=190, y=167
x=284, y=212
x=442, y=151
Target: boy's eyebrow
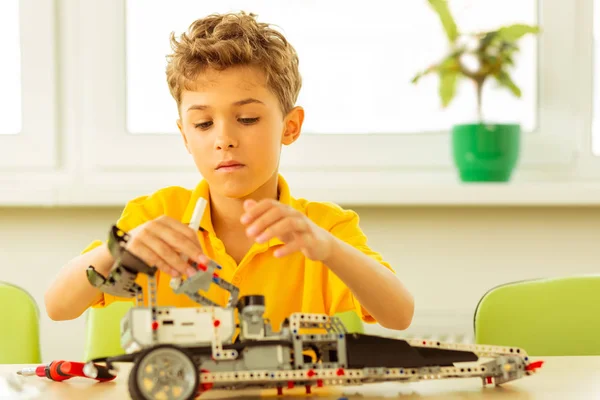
x=249, y=100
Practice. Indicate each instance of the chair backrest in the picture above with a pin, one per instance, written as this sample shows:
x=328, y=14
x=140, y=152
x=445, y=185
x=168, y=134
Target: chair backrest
x=545, y=317
x=103, y=330
x=351, y=321
x=20, y=333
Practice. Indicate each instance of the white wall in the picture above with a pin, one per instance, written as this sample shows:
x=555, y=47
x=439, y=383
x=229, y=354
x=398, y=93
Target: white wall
x=448, y=256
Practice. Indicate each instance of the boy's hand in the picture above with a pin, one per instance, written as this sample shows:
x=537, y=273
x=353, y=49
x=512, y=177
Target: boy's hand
x=269, y=218
x=162, y=242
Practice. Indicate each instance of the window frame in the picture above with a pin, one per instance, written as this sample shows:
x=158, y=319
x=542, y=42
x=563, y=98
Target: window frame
x=585, y=166
x=112, y=147
x=35, y=146
x=97, y=163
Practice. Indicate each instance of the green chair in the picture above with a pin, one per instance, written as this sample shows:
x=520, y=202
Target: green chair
x=351, y=321
x=545, y=317
x=20, y=334
x=103, y=337
x=103, y=330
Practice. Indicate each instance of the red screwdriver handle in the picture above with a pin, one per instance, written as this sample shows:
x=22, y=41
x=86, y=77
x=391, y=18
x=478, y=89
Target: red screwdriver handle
x=41, y=371
x=73, y=368
x=54, y=372
x=61, y=370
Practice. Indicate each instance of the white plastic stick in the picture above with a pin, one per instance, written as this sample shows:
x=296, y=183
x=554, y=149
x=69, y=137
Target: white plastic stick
x=198, y=213
x=194, y=225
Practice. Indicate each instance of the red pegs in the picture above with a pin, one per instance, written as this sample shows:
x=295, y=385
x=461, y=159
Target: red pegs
x=202, y=267
x=154, y=325
x=340, y=372
x=290, y=384
x=319, y=382
x=216, y=323
x=534, y=365
x=488, y=380
x=203, y=387
x=310, y=373
x=307, y=387
x=279, y=391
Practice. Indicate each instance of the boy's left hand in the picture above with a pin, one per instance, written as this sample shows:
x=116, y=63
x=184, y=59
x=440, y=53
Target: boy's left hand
x=269, y=218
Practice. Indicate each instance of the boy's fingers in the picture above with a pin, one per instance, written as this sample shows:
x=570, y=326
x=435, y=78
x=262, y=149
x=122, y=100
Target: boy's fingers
x=142, y=251
x=248, y=204
x=257, y=210
x=203, y=259
x=288, y=249
x=180, y=228
x=282, y=228
x=165, y=251
x=270, y=217
x=177, y=240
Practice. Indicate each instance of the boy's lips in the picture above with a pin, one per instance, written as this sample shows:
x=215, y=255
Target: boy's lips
x=229, y=165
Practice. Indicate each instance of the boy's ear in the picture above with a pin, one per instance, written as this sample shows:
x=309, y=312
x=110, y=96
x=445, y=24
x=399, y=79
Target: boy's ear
x=180, y=126
x=293, y=125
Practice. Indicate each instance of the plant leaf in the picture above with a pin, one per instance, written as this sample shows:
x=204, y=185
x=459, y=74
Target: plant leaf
x=486, y=40
x=421, y=74
x=441, y=8
x=418, y=76
x=505, y=80
x=508, y=60
x=514, y=32
x=450, y=63
x=448, y=81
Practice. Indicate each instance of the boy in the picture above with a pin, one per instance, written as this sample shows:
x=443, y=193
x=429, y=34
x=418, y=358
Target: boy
x=235, y=82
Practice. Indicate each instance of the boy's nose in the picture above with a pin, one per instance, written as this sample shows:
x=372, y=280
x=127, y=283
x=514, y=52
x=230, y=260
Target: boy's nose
x=221, y=146
x=225, y=141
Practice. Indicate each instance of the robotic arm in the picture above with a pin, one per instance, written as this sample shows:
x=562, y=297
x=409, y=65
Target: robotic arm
x=121, y=280
x=204, y=277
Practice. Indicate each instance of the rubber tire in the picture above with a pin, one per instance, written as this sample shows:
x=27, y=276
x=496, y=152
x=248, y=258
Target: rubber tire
x=134, y=390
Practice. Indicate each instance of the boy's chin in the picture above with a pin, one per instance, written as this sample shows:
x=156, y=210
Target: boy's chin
x=234, y=189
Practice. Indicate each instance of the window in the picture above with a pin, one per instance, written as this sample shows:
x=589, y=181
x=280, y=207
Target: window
x=596, y=80
x=10, y=68
x=128, y=117
x=108, y=134
x=27, y=78
x=356, y=71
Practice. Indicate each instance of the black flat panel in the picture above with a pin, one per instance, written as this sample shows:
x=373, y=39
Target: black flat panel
x=367, y=351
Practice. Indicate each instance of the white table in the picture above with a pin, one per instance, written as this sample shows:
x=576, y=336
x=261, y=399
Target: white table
x=565, y=378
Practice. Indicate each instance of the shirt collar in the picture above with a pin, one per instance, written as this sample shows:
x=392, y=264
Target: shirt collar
x=203, y=190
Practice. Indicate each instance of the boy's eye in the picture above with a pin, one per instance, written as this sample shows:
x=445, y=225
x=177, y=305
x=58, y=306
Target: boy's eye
x=203, y=125
x=248, y=121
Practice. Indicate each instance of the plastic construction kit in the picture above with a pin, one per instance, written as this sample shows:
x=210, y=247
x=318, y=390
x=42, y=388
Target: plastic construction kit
x=178, y=353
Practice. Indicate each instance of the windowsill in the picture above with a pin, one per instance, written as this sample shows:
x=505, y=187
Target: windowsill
x=481, y=194
x=348, y=193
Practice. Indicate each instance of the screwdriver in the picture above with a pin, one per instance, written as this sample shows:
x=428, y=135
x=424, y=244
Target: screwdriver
x=62, y=370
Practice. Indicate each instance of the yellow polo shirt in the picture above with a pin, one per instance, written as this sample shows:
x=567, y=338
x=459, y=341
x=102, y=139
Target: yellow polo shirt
x=289, y=284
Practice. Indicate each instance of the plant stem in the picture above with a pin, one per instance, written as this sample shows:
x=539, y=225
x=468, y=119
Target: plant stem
x=479, y=87
x=478, y=78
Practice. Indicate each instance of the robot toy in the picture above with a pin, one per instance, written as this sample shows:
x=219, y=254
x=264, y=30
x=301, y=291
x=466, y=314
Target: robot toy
x=179, y=353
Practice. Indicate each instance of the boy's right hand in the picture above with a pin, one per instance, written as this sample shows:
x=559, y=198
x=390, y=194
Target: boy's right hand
x=162, y=242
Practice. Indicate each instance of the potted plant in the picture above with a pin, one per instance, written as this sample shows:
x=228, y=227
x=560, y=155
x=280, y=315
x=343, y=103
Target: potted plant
x=482, y=151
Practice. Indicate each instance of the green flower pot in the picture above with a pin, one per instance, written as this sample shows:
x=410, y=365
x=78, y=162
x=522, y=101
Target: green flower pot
x=486, y=152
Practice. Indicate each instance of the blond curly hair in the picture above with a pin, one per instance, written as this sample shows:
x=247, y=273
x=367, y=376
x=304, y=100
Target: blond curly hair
x=220, y=41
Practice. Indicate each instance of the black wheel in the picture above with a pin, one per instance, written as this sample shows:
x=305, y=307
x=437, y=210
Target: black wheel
x=164, y=372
